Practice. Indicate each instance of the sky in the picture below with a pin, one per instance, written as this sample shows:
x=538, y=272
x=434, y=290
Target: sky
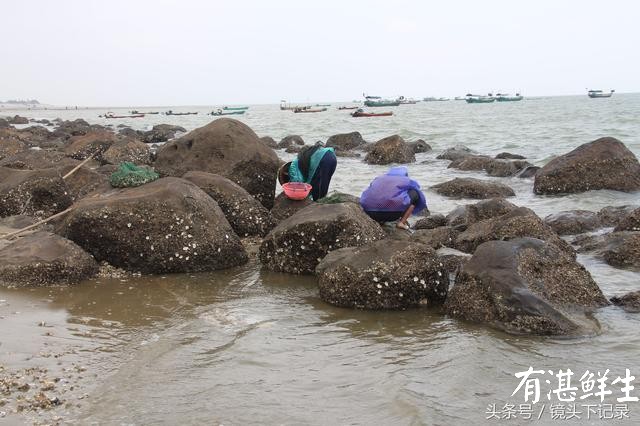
x=198, y=52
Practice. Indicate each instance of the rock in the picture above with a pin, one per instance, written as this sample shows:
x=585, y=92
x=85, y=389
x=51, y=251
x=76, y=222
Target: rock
x=612, y=216
x=300, y=242
x=392, y=149
x=473, y=188
x=525, y=286
x=345, y=141
x=9, y=147
x=520, y=222
x=630, y=222
x=128, y=132
x=269, y=141
x=528, y=172
x=283, y=207
x=4, y=123
x=38, y=193
x=383, y=275
x=245, y=214
x=228, y=148
x=84, y=181
x=622, y=249
x=573, y=222
x=419, y=146
x=452, y=260
x=509, y=156
x=18, y=120
x=335, y=197
x=630, y=302
x=347, y=154
x=42, y=259
x=131, y=150
x=430, y=222
x=162, y=133
x=35, y=159
x=505, y=168
x=290, y=140
x=293, y=149
x=168, y=225
x=463, y=216
x=455, y=153
x=470, y=162
x=16, y=222
x=96, y=143
x=72, y=128
x=605, y=163
x=443, y=236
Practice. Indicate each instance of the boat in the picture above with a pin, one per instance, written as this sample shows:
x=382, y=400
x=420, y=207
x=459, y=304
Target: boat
x=180, y=113
x=322, y=105
x=348, y=107
x=600, y=93
x=145, y=113
x=505, y=97
x=362, y=113
x=406, y=101
x=112, y=115
x=377, y=101
x=307, y=109
x=479, y=99
x=460, y=98
x=284, y=106
x=432, y=99
x=221, y=112
x=235, y=108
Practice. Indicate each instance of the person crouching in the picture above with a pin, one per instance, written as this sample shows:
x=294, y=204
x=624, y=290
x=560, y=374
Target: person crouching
x=314, y=165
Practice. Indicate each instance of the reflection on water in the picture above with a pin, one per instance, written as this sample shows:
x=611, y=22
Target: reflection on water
x=247, y=346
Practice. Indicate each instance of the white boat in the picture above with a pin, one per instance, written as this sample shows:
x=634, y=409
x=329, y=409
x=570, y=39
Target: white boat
x=505, y=97
x=600, y=93
x=479, y=99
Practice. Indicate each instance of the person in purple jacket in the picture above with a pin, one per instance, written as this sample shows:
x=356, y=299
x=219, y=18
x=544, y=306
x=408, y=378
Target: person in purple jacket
x=393, y=196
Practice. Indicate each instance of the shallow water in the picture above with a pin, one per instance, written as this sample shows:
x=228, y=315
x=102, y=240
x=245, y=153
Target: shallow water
x=246, y=346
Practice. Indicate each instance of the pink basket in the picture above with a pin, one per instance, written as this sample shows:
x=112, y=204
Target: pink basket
x=296, y=190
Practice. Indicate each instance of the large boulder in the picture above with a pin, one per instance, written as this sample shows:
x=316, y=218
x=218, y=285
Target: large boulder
x=520, y=222
x=129, y=150
x=43, y=258
x=613, y=215
x=38, y=193
x=525, y=286
x=383, y=275
x=84, y=181
x=168, y=225
x=284, y=207
x=35, y=159
x=162, y=133
x=464, y=216
x=228, y=148
x=505, y=168
x=269, y=141
x=92, y=143
x=345, y=141
x=392, y=149
x=300, y=242
x=509, y=156
x=419, y=146
x=245, y=214
x=455, y=153
x=631, y=222
x=290, y=141
x=69, y=128
x=473, y=188
x=470, y=162
x=605, y=163
x=619, y=249
x=573, y=222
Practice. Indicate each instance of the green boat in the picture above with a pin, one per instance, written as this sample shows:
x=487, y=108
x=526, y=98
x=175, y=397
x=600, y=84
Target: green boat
x=380, y=103
x=502, y=97
x=479, y=99
x=220, y=112
x=235, y=108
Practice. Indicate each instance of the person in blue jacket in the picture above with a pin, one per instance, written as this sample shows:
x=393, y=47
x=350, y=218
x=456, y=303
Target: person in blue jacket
x=314, y=165
x=393, y=196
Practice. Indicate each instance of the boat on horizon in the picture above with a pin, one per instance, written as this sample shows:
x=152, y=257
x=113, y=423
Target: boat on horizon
x=242, y=108
x=433, y=99
x=307, y=109
x=284, y=106
x=322, y=105
x=407, y=101
x=170, y=112
x=600, y=93
x=479, y=99
x=112, y=115
x=347, y=107
x=144, y=113
x=377, y=101
x=361, y=113
x=222, y=112
x=505, y=97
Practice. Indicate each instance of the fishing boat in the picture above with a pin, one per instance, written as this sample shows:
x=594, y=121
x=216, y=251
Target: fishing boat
x=244, y=108
x=112, y=115
x=145, y=113
x=307, y=109
x=600, y=93
x=348, y=107
x=479, y=99
x=432, y=99
x=505, y=97
x=180, y=113
x=221, y=112
x=406, y=101
x=284, y=106
x=377, y=101
x=322, y=105
x=362, y=113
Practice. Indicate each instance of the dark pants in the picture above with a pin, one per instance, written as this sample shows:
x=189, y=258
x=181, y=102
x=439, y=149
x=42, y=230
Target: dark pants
x=393, y=216
x=322, y=178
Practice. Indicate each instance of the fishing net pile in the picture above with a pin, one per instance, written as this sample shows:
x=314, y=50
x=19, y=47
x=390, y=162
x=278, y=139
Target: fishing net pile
x=129, y=175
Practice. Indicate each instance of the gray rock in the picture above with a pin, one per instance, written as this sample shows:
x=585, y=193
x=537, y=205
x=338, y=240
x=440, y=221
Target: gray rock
x=392, y=149
x=473, y=188
x=631, y=222
x=345, y=141
x=420, y=146
x=455, y=153
x=630, y=302
x=430, y=222
x=573, y=222
x=510, y=156
x=37, y=193
x=290, y=140
x=612, y=216
x=283, y=207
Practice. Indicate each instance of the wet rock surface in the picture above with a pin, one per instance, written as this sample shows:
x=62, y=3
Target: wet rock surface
x=612, y=216
x=345, y=141
x=528, y=172
x=392, y=149
x=430, y=222
x=290, y=141
x=43, y=258
x=129, y=150
x=35, y=159
x=509, y=156
x=93, y=143
x=470, y=162
x=269, y=141
x=300, y=242
x=443, y=236
x=505, y=168
x=630, y=302
x=283, y=207
x=525, y=286
x=631, y=222
x=605, y=163
x=473, y=188
x=573, y=222
x=162, y=133
x=420, y=146
x=228, y=148
x=168, y=225
x=245, y=214
x=37, y=193
x=386, y=274
x=463, y=216
x=455, y=153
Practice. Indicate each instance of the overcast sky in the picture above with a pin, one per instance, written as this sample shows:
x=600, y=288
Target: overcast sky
x=198, y=52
